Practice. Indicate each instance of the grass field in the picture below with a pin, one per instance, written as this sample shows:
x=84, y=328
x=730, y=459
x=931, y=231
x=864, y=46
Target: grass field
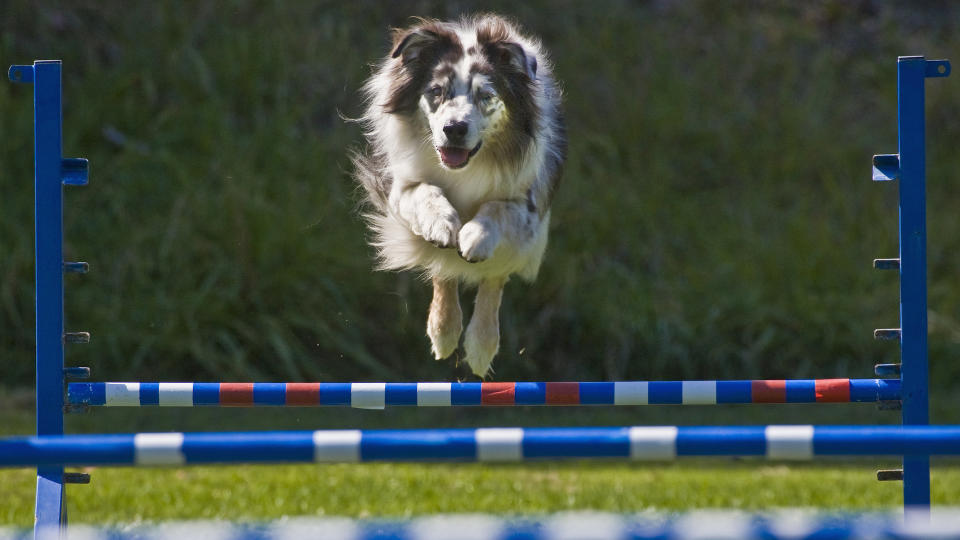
x=390, y=490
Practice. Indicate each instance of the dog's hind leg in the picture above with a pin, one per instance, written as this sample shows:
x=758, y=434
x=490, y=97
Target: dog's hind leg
x=445, y=321
x=483, y=333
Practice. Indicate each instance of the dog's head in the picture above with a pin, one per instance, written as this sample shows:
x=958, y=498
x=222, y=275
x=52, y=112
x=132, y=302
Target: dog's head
x=469, y=81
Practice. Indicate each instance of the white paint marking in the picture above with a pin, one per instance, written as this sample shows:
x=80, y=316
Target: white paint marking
x=433, y=394
x=118, y=394
x=653, y=443
x=368, y=395
x=789, y=442
x=630, y=393
x=499, y=444
x=337, y=445
x=176, y=394
x=699, y=392
x=158, y=449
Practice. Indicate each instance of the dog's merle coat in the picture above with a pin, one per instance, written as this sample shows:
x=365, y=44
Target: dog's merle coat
x=467, y=144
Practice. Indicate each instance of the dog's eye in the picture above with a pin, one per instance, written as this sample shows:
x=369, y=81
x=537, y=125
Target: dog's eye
x=486, y=97
x=434, y=92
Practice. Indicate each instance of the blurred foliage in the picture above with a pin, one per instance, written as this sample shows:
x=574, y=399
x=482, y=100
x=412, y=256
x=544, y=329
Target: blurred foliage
x=716, y=218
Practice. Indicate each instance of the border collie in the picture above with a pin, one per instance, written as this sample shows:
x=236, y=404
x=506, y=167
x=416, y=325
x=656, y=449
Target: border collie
x=466, y=147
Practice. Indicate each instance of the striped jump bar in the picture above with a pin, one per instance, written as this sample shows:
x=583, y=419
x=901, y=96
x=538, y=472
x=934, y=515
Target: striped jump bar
x=440, y=394
x=486, y=444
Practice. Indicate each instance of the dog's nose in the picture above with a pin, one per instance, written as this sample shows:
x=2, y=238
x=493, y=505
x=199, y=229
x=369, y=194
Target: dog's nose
x=456, y=131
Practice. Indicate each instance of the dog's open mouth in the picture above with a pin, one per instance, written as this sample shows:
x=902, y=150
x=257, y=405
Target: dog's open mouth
x=456, y=158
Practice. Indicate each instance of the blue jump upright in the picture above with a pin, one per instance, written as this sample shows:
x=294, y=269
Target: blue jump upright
x=50, y=449
x=909, y=167
x=51, y=172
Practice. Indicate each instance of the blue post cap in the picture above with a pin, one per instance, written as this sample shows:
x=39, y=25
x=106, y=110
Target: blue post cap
x=20, y=74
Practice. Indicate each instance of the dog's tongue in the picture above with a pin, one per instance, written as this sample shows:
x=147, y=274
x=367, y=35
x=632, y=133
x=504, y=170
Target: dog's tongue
x=454, y=157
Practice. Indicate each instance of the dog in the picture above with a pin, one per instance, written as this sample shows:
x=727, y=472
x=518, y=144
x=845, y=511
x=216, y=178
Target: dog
x=466, y=146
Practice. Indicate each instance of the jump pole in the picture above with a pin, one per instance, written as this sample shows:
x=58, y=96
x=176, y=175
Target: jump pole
x=51, y=172
x=909, y=167
x=656, y=443
x=370, y=395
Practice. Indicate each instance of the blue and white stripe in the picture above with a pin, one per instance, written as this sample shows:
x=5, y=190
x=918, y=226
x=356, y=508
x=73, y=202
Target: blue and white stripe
x=485, y=444
x=377, y=395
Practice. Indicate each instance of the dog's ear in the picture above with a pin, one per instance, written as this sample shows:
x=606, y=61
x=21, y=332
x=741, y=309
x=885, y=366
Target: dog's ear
x=410, y=43
x=510, y=53
x=418, y=49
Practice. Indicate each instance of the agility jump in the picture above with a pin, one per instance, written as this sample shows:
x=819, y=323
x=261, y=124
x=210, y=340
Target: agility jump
x=906, y=385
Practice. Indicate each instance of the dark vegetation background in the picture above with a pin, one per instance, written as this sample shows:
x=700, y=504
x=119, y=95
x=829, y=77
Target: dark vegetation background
x=716, y=220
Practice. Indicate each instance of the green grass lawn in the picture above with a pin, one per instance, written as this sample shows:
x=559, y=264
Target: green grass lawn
x=252, y=493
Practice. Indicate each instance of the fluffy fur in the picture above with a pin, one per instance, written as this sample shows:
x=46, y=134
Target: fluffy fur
x=466, y=147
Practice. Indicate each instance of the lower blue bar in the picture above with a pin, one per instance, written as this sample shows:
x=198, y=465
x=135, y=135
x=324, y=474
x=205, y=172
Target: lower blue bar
x=577, y=443
x=432, y=445
x=721, y=441
x=254, y=447
x=882, y=440
x=915, y=442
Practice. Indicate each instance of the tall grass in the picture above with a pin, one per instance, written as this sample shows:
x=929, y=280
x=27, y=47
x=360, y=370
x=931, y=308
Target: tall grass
x=716, y=218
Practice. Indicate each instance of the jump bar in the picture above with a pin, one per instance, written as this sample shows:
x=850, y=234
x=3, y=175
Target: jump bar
x=801, y=442
x=433, y=394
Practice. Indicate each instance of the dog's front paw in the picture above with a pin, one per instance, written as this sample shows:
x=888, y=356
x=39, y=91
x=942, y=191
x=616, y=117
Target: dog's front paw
x=477, y=241
x=442, y=229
